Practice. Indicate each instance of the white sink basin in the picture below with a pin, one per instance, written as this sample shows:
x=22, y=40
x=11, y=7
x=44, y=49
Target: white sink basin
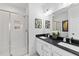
x=75, y=48
x=43, y=37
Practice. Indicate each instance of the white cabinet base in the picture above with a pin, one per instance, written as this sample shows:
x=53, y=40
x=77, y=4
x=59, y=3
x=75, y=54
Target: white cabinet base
x=46, y=49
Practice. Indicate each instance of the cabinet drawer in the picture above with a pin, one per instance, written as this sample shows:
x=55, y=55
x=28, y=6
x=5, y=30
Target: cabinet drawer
x=43, y=48
x=62, y=52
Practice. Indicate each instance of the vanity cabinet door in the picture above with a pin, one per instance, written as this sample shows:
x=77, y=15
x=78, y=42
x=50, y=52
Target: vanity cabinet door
x=38, y=46
x=54, y=51
x=43, y=48
x=64, y=53
x=61, y=52
x=46, y=49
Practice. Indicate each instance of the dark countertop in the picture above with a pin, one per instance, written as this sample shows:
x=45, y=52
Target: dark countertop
x=55, y=42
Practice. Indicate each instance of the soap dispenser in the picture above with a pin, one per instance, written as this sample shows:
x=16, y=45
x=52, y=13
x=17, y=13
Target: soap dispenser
x=48, y=35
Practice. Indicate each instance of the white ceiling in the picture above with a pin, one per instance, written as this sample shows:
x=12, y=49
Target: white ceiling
x=53, y=6
x=50, y=6
x=18, y=5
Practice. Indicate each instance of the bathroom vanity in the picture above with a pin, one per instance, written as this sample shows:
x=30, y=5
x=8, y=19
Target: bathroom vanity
x=47, y=46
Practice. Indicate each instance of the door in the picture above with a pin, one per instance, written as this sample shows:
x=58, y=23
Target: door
x=18, y=35
x=4, y=33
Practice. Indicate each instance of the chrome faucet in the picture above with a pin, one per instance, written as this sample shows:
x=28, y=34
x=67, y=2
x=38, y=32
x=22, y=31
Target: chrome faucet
x=70, y=40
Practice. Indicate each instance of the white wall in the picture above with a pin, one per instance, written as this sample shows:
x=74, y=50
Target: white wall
x=73, y=15
x=35, y=11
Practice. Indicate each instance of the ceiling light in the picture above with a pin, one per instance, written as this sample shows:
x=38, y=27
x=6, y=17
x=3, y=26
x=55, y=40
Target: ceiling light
x=48, y=13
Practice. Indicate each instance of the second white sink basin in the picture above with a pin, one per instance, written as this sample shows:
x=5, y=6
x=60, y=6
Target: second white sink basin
x=75, y=48
x=43, y=37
